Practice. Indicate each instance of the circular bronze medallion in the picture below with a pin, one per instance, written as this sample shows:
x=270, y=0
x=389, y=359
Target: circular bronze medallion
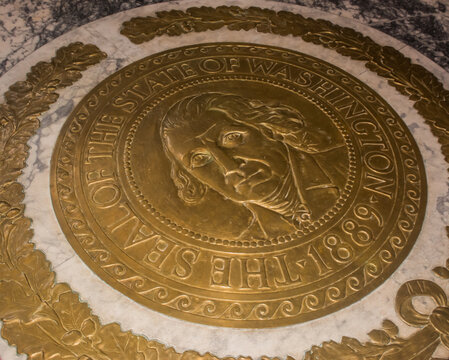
x=238, y=185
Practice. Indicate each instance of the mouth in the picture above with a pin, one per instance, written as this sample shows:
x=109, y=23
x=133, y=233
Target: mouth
x=247, y=183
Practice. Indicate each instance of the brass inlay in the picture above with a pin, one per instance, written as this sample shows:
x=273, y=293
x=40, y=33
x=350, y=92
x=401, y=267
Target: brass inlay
x=45, y=319
x=238, y=185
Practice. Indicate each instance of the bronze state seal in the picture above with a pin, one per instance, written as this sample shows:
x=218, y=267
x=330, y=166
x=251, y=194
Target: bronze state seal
x=238, y=185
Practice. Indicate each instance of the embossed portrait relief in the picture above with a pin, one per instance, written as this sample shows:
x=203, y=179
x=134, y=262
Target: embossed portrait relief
x=269, y=158
x=238, y=185
x=242, y=169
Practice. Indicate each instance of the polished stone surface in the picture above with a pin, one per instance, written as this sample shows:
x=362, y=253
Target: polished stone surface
x=27, y=25
x=112, y=306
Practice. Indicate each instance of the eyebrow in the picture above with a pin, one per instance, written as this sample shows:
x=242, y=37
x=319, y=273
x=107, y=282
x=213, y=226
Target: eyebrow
x=205, y=132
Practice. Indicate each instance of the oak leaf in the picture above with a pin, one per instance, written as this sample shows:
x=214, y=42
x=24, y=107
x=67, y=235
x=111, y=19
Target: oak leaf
x=117, y=344
x=71, y=312
x=17, y=301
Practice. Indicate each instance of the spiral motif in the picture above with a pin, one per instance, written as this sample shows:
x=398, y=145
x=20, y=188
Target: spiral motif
x=353, y=283
x=386, y=256
x=181, y=302
x=93, y=101
x=333, y=293
x=208, y=308
x=260, y=312
x=286, y=309
x=158, y=294
x=312, y=302
x=234, y=311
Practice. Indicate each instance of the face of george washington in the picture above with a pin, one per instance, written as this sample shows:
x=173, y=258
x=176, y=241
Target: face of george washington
x=235, y=160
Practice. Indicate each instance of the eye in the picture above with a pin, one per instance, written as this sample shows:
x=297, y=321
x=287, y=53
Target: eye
x=199, y=159
x=233, y=139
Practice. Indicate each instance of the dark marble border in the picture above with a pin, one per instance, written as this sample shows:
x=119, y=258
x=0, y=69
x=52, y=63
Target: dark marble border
x=25, y=25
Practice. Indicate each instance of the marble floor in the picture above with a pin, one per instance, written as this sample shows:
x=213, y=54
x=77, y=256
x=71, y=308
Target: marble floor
x=31, y=31
x=27, y=25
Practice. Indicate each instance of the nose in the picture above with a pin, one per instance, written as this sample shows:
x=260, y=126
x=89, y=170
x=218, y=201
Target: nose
x=228, y=164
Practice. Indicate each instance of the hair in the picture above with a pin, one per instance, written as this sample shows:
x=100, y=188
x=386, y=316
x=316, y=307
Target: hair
x=276, y=122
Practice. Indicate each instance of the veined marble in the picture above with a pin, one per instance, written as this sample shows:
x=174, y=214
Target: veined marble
x=111, y=306
x=26, y=25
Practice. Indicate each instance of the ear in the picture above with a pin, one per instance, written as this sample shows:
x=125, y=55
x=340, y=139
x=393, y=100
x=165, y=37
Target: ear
x=190, y=190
